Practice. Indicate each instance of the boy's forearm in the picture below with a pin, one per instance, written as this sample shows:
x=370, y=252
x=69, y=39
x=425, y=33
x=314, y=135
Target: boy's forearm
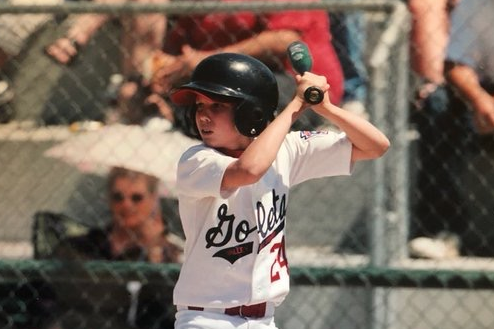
x=263, y=150
x=368, y=141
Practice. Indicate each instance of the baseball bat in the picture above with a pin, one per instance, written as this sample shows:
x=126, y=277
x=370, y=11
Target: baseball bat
x=301, y=61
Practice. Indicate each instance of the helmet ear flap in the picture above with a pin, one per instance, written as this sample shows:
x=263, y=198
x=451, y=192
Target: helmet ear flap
x=250, y=118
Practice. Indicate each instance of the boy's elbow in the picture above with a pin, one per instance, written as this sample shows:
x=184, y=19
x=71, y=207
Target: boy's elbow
x=248, y=174
x=378, y=150
x=386, y=144
x=382, y=147
x=253, y=176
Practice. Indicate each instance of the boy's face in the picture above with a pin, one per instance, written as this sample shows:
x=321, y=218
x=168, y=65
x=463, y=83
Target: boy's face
x=215, y=123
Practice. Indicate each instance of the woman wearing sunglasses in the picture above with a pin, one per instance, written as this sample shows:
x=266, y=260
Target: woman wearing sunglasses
x=137, y=232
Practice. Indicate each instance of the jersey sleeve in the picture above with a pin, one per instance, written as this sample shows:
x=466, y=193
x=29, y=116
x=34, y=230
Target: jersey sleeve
x=318, y=154
x=200, y=172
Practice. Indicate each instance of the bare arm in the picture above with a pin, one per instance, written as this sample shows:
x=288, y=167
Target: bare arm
x=260, y=154
x=368, y=141
x=254, y=162
x=81, y=29
x=429, y=36
x=466, y=81
x=268, y=46
x=64, y=49
x=147, y=34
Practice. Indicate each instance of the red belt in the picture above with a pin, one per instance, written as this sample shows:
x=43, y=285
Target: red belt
x=249, y=311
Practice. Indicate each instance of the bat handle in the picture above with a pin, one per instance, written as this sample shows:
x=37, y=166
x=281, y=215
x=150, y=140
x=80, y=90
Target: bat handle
x=301, y=60
x=313, y=95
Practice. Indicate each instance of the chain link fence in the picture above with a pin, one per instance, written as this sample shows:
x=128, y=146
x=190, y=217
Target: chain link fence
x=347, y=236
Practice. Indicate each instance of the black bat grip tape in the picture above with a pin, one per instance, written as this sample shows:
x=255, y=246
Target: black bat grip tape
x=313, y=95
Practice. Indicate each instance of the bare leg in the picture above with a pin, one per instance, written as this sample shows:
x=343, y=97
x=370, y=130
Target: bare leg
x=430, y=28
x=142, y=35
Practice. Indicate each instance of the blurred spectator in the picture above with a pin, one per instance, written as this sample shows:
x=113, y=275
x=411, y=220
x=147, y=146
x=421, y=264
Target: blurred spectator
x=469, y=69
x=141, y=34
x=264, y=36
x=452, y=135
x=434, y=209
x=470, y=61
x=147, y=79
x=137, y=232
x=15, y=32
x=429, y=37
x=349, y=34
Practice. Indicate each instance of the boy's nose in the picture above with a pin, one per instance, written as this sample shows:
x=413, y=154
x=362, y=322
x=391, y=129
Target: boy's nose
x=204, y=118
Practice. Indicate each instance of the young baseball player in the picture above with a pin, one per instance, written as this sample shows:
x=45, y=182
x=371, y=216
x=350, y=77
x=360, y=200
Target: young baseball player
x=233, y=188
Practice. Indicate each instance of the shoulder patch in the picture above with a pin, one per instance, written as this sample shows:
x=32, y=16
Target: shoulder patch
x=308, y=134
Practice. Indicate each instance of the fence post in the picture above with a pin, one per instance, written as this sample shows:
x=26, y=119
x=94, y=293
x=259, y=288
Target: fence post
x=389, y=228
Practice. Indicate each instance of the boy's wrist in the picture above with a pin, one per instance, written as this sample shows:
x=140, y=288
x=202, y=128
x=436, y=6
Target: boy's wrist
x=298, y=104
x=298, y=100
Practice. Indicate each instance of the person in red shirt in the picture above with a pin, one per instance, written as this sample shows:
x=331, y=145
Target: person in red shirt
x=264, y=36
x=191, y=38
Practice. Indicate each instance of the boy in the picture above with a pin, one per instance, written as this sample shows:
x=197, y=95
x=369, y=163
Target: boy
x=233, y=188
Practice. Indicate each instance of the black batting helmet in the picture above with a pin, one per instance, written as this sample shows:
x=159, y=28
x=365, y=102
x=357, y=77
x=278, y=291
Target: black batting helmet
x=238, y=77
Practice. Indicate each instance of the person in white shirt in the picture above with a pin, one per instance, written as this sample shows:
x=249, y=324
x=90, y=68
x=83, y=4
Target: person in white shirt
x=233, y=188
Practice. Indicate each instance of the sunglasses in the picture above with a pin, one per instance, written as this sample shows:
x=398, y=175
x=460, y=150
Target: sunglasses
x=134, y=197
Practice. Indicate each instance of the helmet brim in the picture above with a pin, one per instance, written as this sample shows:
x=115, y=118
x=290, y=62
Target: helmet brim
x=186, y=95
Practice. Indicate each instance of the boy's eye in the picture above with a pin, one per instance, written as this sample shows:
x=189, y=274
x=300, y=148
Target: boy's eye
x=218, y=106
x=214, y=107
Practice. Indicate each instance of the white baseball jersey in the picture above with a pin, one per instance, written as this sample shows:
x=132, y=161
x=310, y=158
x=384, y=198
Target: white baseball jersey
x=235, y=245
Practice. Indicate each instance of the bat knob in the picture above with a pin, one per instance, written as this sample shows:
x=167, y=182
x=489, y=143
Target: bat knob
x=313, y=95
